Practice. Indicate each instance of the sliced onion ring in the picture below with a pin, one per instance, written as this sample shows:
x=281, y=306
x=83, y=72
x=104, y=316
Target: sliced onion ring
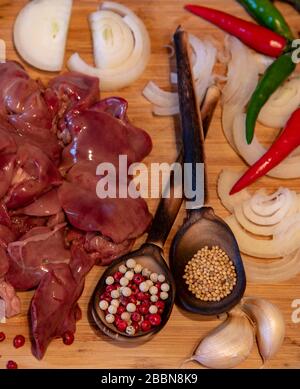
x=276, y=207
x=262, y=230
x=281, y=222
x=273, y=272
x=225, y=181
x=266, y=205
x=238, y=89
x=288, y=169
x=159, y=97
x=204, y=58
x=278, y=109
x=262, y=248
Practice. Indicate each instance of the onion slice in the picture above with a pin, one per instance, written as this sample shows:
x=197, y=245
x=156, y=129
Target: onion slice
x=40, y=33
x=238, y=89
x=271, y=272
x=225, y=181
x=121, y=72
x=159, y=97
x=287, y=169
x=2, y=51
x=269, y=210
x=275, y=113
x=263, y=62
x=253, y=226
x=113, y=41
x=278, y=109
x=262, y=248
x=204, y=58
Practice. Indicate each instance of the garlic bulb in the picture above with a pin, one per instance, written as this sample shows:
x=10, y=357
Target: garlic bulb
x=227, y=345
x=270, y=325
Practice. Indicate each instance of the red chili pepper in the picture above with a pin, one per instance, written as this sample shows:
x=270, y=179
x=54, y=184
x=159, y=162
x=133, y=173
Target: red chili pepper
x=288, y=141
x=257, y=37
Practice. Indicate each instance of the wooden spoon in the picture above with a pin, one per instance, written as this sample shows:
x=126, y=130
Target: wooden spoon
x=202, y=227
x=150, y=254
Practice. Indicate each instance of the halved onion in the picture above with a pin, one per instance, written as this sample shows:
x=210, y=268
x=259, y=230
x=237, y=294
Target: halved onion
x=119, y=67
x=204, y=58
x=2, y=51
x=278, y=109
x=40, y=33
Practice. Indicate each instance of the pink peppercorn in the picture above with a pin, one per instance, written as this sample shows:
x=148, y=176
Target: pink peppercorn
x=122, y=325
x=138, y=279
x=147, y=296
x=143, y=308
x=161, y=306
x=11, y=365
x=145, y=325
x=110, y=288
x=118, y=275
x=140, y=296
x=68, y=338
x=19, y=341
x=136, y=326
x=134, y=289
x=132, y=299
x=155, y=319
x=106, y=296
x=124, y=301
x=136, y=317
x=120, y=310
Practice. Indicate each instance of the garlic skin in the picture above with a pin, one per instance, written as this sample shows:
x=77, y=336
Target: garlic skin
x=270, y=325
x=227, y=345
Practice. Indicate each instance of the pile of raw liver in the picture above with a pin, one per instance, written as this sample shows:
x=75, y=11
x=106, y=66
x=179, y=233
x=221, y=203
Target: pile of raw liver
x=53, y=227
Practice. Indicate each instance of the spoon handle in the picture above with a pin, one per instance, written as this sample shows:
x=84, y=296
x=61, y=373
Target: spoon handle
x=168, y=208
x=166, y=213
x=191, y=124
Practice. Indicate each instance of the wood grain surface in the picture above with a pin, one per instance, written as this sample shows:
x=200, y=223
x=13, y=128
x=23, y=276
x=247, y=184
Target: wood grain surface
x=179, y=338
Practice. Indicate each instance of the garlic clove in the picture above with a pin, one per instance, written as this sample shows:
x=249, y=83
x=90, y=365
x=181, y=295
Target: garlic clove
x=227, y=345
x=270, y=325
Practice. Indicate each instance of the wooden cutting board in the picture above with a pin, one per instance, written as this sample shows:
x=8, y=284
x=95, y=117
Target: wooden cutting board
x=183, y=332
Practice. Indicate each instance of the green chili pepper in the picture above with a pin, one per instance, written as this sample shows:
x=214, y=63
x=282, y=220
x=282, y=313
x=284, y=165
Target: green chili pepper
x=266, y=14
x=274, y=76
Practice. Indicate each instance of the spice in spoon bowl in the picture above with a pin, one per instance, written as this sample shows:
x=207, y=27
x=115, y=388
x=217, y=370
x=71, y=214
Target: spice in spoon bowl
x=210, y=274
x=133, y=299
